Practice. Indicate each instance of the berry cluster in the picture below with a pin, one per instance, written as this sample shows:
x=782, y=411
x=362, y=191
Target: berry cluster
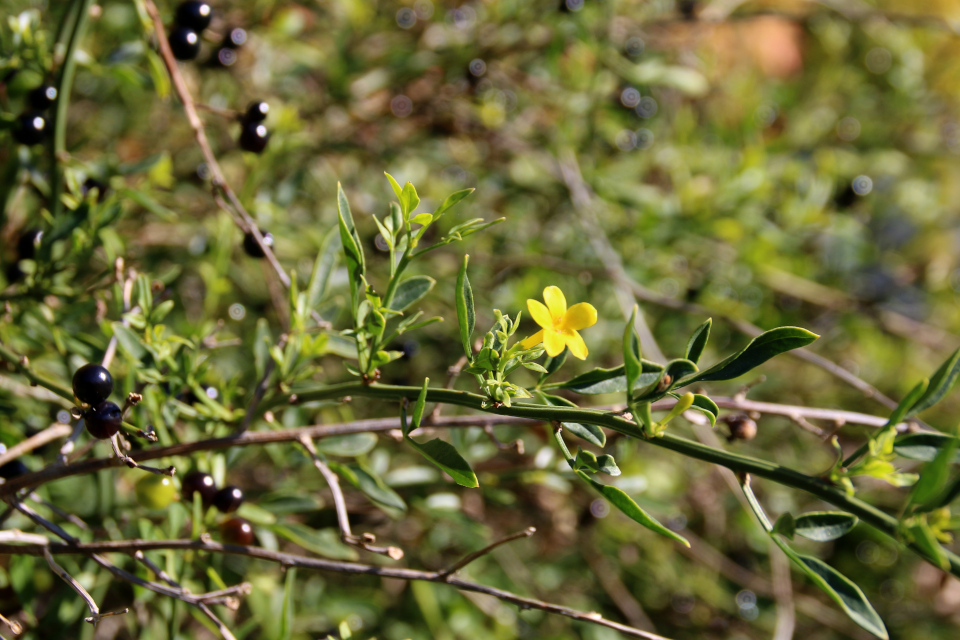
x=191, y=19
x=253, y=132
x=92, y=385
x=31, y=127
x=226, y=500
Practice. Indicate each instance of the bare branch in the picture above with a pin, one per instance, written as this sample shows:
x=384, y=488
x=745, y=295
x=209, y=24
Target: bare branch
x=444, y=574
x=51, y=433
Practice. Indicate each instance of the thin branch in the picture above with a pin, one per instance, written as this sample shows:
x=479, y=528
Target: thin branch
x=14, y=626
x=219, y=182
x=37, y=440
x=95, y=615
x=323, y=564
x=365, y=541
x=445, y=574
x=782, y=593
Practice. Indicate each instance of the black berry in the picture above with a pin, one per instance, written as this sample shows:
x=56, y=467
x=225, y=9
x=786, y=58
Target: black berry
x=236, y=37
x=31, y=129
x=103, y=420
x=256, y=112
x=184, y=42
x=194, y=15
x=43, y=97
x=228, y=499
x=198, y=482
x=13, y=469
x=254, y=137
x=28, y=243
x=92, y=384
x=251, y=246
x=237, y=531
x=92, y=183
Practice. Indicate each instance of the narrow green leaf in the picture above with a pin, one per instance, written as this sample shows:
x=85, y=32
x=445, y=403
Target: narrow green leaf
x=393, y=183
x=466, y=315
x=323, y=267
x=908, y=402
x=698, y=341
x=552, y=364
x=261, y=346
x=933, y=478
x=352, y=249
x=589, y=432
x=370, y=484
x=445, y=457
x=707, y=407
x=924, y=446
x=324, y=543
x=410, y=291
x=417, y=410
x=350, y=445
x=129, y=342
x=785, y=525
x=451, y=200
x=409, y=199
x=942, y=381
x=924, y=538
x=286, y=616
x=631, y=509
x=824, y=525
x=843, y=591
x=758, y=351
x=631, y=353
x=599, y=381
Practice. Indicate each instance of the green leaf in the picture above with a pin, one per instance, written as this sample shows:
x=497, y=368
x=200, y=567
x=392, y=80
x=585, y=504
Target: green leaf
x=908, y=402
x=323, y=267
x=631, y=353
x=324, y=543
x=942, y=381
x=924, y=538
x=352, y=249
x=286, y=616
x=758, y=351
x=393, y=183
x=924, y=446
x=466, y=315
x=698, y=341
x=600, y=381
x=445, y=457
x=933, y=478
x=410, y=291
x=261, y=346
x=417, y=410
x=589, y=432
x=552, y=364
x=785, y=525
x=631, y=509
x=706, y=406
x=409, y=199
x=349, y=445
x=824, y=525
x=129, y=342
x=370, y=484
x=451, y=200
x=842, y=590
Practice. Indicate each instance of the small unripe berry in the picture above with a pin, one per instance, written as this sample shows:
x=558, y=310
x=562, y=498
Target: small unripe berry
x=155, y=492
x=92, y=384
x=103, y=420
x=237, y=531
x=741, y=428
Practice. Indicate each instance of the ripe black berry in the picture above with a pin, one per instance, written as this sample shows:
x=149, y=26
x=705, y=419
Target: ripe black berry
x=254, y=137
x=92, y=183
x=103, y=420
x=13, y=469
x=31, y=129
x=184, y=42
x=92, y=384
x=228, y=499
x=237, y=531
x=194, y=15
x=28, y=243
x=236, y=37
x=198, y=482
x=251, y=246
x=256, y=112
x=43, y=97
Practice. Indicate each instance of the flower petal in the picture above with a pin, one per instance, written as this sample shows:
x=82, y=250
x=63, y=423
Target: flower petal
x=539, y=313
x=553, y=342
x=533, y=340
x=556, y=303
x=577, y=346
x=580, y=316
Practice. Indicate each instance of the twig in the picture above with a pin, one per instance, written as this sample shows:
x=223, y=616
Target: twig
x=782, y=593
x=365, y=541
x=445, y=574
x=95, y=615
x=323, y=564
x=516, y=445
x=133, y=464
x=246, y=223
x=14, y=626
x=37, y=440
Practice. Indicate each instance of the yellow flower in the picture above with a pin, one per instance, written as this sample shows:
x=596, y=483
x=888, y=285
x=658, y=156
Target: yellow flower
x=560, y=325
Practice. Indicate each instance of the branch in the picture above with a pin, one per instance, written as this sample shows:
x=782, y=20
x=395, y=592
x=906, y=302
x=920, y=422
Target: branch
x=37, y=440
x=322, y=564
x=444, y=574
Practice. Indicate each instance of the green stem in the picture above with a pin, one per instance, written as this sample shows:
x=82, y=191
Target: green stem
x=35, y=378
x=871, y=515
x=395, y=279
x=58, y=143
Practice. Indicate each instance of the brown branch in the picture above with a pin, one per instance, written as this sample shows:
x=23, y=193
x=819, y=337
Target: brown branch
x=246, y=222
x=365, y=541
x=95, y=615
x=444, y=574
x=323, y=564
x=37, y=440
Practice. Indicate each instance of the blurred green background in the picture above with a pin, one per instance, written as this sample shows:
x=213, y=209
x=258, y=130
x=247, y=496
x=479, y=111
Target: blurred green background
x=780, y=163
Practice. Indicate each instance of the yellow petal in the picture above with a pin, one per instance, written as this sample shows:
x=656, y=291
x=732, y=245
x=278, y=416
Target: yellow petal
x=533, y=340
x=556, y=303
x=576, y=344
x=580, y=316
x=539, y=313
x=553, y=342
